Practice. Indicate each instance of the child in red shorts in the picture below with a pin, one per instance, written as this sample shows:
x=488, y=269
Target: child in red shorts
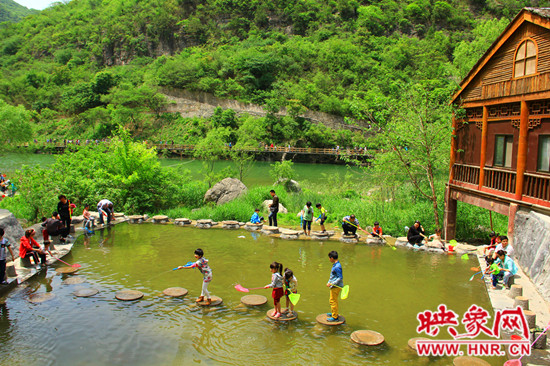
x=277, y=285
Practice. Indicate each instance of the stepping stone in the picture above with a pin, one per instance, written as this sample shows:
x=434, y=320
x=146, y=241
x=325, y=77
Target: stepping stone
x=74, y=280
x=230, y=225
x=175, y=291
x=182, y=221
x=66, y=270
x=38, y=298
x=375, y=241
x=290, y=234
x=318, y=235
x=135, y=219
x=322, y=319
x=160, y=219
x=128, y=295
x=119, y=214
x=215, y=301
x=204, y=224
x=412, y=342
x=253, y=227
x=284, y=317
x=367, y=337
x=349, y=239
x=401, y=241
x=253, y=300
x=469, y=361
x=269, y=230
x=86, y=292
x=241, y=223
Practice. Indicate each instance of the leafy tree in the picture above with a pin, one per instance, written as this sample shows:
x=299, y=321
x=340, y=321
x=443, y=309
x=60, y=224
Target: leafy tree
x=16, y=126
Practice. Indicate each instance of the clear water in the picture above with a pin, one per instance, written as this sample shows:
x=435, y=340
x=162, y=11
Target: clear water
x=257, y=175
x=387, y=289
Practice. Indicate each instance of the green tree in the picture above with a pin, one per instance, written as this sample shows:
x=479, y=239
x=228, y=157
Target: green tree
x=16, y=124
x=210, y=149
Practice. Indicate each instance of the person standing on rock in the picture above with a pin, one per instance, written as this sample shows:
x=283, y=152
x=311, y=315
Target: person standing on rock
x=307, y=216
x=4, y=244
x=105, y=207
x=273, y=208
x=64, y=209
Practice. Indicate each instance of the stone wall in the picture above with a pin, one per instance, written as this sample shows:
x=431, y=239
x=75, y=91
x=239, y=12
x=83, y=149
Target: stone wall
x=13, y=230
x=200, y=104
x=532, y=248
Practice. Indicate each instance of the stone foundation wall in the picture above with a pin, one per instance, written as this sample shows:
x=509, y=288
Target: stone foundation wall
x=532, y=248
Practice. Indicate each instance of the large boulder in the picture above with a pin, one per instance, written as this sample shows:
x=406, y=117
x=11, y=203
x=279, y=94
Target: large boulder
x=13, y=230
x=282, y=209
x=290, y=185
x=224, y=191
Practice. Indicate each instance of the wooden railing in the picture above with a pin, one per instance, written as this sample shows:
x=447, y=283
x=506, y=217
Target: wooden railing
x=184, y=148
x=501, y=180
x=537, y=186
x=466, y=173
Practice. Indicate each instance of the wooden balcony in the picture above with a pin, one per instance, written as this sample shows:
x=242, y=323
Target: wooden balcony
x=537, y=186
x=500, y=180
x=531, y=84
x=466, y=173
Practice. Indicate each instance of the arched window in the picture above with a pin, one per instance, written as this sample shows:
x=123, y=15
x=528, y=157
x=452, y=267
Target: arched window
x=526, y=59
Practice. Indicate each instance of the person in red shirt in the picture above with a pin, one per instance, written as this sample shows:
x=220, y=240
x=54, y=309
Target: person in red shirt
x=29, y=247
x=376, y=230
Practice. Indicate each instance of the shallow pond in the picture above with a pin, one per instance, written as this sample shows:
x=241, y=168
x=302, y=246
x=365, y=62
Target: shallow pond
x=387, y=290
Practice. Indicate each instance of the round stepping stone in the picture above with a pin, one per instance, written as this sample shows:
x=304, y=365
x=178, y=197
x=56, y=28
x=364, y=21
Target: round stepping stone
x=38, y=298
x=86, y=292
x=412, y=342
x=204, y=224
x=322, y=319
x=215, y=301
x=160, y=219
x=119, y=214
x=469, y=361
x=367, y=337
x=136, y=219
x=290, y=234
x=66, y=270
x=175, y=291
x=268, y=230
x=182, y=221
x=253, y=300
x=230, y=225
x=74, y=280
x=284, y=317
x=253, y=227
x=128, y=295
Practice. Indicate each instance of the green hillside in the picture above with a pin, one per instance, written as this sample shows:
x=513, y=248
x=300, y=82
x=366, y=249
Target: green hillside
x=10, y=11
x=88, y=65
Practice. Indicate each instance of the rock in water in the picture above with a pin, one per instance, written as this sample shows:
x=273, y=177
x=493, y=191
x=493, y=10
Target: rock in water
x=224, y=191
x=13, y=230
x=290, y=185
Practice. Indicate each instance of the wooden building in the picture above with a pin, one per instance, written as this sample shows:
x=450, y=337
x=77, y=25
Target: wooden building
x=500, y=151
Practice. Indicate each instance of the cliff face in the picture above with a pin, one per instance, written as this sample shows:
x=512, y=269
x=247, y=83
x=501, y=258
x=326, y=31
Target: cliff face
x=532, y=248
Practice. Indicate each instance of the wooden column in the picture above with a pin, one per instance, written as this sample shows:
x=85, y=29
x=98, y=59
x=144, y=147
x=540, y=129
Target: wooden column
x=483, y=147
x=449, y=224
x=452, y=160
x=522, y=148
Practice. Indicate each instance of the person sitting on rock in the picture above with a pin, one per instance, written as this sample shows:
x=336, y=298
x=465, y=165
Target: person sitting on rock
x=29, y=247
x=416, y=234
x=376, y=230
x=495, y=240
x=504, y=246
x=350, y=224
x=436, y=241
x=507, y=268
x=256, y=218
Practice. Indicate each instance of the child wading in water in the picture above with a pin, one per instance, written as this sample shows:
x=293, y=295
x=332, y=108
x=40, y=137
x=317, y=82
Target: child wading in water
x=335, y=282
x=291, y=287
x=202, y=265
x=277, y=285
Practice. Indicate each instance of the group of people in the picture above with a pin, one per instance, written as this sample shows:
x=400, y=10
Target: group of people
x=500, y=265
x=282, y=284
x=59, y=224
x=6, y=186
